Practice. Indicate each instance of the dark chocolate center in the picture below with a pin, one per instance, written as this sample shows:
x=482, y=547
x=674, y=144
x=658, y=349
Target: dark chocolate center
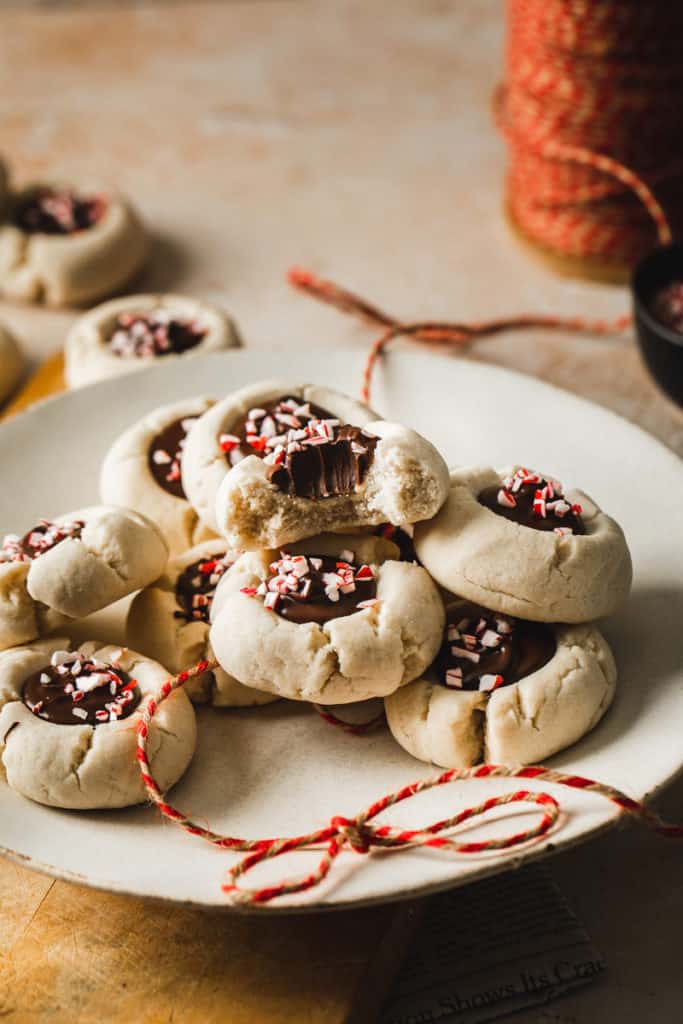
x=165, y=453
x=80, y=692
x=140, y=335
x=333, y=467
x=196, y=586
x=272, y=425
x=306, y=588
x=43, y=537
x=528, y=499
x=48, y=211
x=483, y=650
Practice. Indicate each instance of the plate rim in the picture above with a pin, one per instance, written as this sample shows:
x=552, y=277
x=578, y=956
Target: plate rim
x=549, y=845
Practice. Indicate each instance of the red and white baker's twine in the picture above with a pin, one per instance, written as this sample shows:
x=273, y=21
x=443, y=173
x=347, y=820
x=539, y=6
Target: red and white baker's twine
x=588, y=110
x=359, y=834
x=434, y=332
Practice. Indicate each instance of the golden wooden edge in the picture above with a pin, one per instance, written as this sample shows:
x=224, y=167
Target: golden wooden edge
x=47, y=380
x=597, y=271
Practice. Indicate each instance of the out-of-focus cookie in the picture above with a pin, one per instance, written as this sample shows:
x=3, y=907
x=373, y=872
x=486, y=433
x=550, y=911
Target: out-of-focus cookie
x=64, y=248
x=335, y=625
x=169, y=621
x=73, y=565
x=137, y=331
x=514, y=542
x=142, y=470
x=12, y=363
x=68, y=734
x=248, y=422
x=503, y=691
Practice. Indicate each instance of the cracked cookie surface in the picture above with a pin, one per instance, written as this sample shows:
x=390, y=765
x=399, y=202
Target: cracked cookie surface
x=71, y=566
x=368, y=653
x=521, y=722
x=547, y=576
x=169, y=621
x=41, y=261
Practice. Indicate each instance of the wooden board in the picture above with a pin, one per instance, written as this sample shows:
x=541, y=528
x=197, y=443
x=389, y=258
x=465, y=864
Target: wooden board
x=75, y=956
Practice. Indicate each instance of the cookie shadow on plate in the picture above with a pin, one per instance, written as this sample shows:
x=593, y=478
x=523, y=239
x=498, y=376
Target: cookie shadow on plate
x=166, y=266
x=646, y=640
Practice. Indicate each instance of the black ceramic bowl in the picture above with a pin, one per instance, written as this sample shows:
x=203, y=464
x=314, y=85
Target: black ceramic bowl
x=661, y=346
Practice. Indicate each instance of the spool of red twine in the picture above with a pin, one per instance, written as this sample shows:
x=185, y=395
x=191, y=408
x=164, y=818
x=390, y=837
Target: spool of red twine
x=591, y=112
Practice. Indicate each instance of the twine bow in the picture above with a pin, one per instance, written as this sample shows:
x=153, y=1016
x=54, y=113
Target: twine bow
x=359, y=835
x=434, y=332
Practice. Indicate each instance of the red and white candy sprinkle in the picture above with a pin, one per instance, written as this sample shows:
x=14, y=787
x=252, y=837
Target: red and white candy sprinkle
x=39, y=540
x=290, y=575
x=547, y=499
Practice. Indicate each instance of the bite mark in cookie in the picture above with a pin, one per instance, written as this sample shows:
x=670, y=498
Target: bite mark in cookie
x=77, y=690
x=483, y=650
x=48, y=211
x=196, y=586
x=312, y=454
x=310, y=589
x=43, y=537
x=526, y=498
x=144, y=335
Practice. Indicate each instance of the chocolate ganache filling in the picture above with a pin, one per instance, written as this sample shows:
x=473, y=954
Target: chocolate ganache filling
x=48, y=211
x=304, y=588
x=310, y=453
x=196, y=586
x=529, y=500
x=43, y=537
x=268, y=427
x=75, y=690
x=165, y=453
x=144, y=335
x=483, y=650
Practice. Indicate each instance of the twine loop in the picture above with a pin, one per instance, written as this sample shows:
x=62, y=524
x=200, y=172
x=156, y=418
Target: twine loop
x=359, y=835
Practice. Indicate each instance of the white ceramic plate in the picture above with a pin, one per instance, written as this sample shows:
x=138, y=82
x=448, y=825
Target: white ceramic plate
x=281, y=770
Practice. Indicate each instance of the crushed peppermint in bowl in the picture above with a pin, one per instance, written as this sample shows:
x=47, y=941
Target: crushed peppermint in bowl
x=139, y=335
x=78, y=690
x=306, y=588
x=530, y=500
x=309, y=451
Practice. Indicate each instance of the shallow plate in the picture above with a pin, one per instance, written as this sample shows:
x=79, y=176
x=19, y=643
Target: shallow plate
x=281, y=770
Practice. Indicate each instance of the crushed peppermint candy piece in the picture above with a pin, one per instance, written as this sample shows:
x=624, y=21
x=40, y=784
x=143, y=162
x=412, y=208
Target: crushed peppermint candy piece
x=490, y=650
x=153, y=334
x=526, y=498
x=50, y=211
x=43, y=537
x=489, y=682
x=309, y=588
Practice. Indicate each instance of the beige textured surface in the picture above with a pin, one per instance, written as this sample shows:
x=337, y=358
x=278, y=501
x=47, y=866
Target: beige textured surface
x=353, y=138
x=257, y=135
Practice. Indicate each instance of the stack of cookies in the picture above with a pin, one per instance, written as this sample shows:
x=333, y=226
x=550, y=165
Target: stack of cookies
x=317, y=553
